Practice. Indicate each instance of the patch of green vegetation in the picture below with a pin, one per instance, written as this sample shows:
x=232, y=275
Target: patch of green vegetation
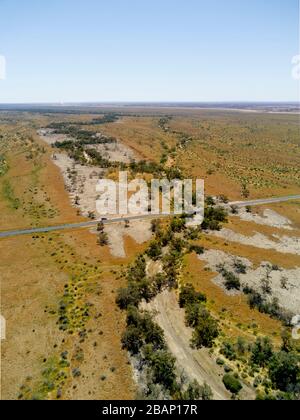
x=232, y=282
x=143, y=338
x=73, y=310
x=198, y=317
x=73, y=313
x=3, y=165
x=275, y=374
x=54, y=375
x=262, y=304
x=9, y=195
x=214, y=217
x=189, y=296
x=232, y=383
x=35, y=173
x=65, y=126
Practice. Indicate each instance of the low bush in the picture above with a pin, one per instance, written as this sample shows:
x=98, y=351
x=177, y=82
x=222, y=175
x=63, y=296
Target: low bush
x=232, y=384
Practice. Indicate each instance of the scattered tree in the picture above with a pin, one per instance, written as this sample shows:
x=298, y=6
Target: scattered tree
x=188, y=296
x=262, y=351
x=154, y=251
x=206, y=330
x=284, y=371
x=103, y=239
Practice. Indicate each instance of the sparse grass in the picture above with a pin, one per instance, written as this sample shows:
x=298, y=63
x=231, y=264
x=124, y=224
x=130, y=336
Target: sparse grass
x=3, y=165
x=75, y=280
x=9, y=195
x=40, y=266
x=237, y=309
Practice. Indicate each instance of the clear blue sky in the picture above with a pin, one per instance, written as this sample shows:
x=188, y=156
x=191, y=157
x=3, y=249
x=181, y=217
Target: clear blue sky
x=148, y=50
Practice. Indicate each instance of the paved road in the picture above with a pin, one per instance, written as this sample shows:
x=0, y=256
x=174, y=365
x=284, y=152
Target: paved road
x=66, y=226
x=18, y=232
x=265, y=201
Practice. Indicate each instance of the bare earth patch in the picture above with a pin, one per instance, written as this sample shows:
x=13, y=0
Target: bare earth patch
x=49, y=137
x=138, y=230
x=115, y=152
x=80, y=182
x=197, y=364
x=284, y=244
x=269, y=218
x=284, y=284
x=153, y=268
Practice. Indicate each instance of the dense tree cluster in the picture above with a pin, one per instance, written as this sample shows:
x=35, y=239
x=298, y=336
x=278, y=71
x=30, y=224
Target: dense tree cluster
x=143, y=337
x=77, y=151
x=262, y=351
x=98, y=160
x=284, y=371
x=277, y=372
x=64, y=125
x=189, y=296
x=195, y=391
x=206, y=329
x=141, y=330
x=139, y=286
x=154, y=251
x=145, y=167
x=214, y=217
x=82, y=137
x=163, y=123
x=198, y=317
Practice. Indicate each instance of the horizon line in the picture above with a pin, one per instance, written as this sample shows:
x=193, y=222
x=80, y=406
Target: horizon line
x=165, y=102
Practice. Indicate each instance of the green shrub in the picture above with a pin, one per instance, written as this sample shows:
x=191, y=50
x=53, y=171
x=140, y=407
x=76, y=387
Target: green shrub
x=231, y=280
x=177, y=224
x=197, y=392
x=284, y=371
x=232, y=384
x=163, y=369
x=188, y=296
x=154, y=251
x=209, y=201
x=228, y=350
x=213, y=218
x=206, y=330
x=132, y=339
x=193, y=312
x=240, y=267
x=262, y=351
x=199, y=250
x=128, y=296
x=103, y=239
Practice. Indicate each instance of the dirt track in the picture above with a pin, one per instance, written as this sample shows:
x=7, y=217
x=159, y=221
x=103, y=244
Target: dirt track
x=197, y=364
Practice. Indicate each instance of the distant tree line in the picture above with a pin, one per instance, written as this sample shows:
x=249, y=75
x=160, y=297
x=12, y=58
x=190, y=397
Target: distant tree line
x=107, y=118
